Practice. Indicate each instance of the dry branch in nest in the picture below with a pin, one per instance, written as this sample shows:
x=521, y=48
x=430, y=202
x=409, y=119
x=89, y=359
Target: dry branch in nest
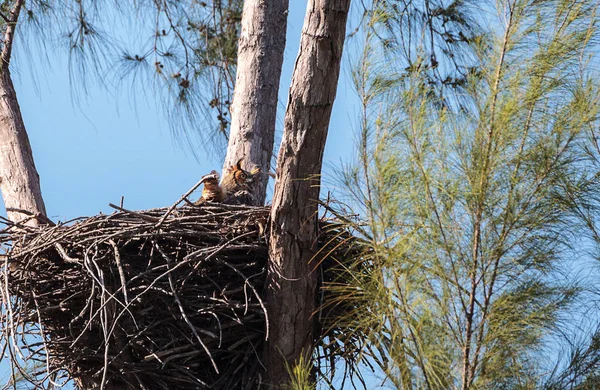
x=157, y=299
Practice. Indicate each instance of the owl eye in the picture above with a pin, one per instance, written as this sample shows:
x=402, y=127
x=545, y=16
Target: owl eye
x=243, y=176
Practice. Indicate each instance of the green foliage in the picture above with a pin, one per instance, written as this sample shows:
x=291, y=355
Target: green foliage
x=301, y=375
x=581, y=371
x=475, y=202
x=432, y=37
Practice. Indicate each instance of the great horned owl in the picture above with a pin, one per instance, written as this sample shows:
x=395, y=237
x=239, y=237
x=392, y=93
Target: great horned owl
x=236, y=184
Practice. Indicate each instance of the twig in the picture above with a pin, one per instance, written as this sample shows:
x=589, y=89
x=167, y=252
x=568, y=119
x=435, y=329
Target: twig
x=184, y=196
x=38, y=216
x=63, y=254
x=182, y=311
x=140, y=215
x=262, y=305
x=121, y=272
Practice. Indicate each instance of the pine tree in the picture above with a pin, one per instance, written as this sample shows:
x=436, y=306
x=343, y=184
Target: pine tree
x=182, y=61
x=475, y=194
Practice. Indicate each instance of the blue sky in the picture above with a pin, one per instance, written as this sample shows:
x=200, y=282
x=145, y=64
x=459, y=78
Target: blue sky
x=92, y=151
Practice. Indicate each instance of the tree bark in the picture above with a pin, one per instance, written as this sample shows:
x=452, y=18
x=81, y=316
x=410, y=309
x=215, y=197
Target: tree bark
x=292, y=279
x=19, y=180
x=254, y=108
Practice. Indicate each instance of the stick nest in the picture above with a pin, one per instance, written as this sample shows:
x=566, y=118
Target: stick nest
x=158, y=299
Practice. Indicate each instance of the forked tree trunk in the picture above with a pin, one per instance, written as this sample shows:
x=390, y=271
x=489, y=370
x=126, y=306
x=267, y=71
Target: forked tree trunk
x=291, y=275
x=19, y=180
x=254, y=109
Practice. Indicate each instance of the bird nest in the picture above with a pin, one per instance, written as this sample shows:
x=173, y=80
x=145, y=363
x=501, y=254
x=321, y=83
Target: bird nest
x=158, y=299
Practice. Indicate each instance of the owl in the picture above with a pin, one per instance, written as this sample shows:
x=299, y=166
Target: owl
x=212, y=191
x=236, y=184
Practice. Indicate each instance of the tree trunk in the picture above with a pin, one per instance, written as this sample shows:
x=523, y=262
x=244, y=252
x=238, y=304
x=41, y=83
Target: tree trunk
x=254, y=108
x=292, y=279
x=19, y=180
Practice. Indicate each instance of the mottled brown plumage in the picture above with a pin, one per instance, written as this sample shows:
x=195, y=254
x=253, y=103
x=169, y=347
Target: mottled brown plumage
x=233, y=189
x=212, y=191
x=236, y=184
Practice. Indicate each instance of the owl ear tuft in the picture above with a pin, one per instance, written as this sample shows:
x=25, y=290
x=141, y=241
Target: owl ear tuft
x=238, y=165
